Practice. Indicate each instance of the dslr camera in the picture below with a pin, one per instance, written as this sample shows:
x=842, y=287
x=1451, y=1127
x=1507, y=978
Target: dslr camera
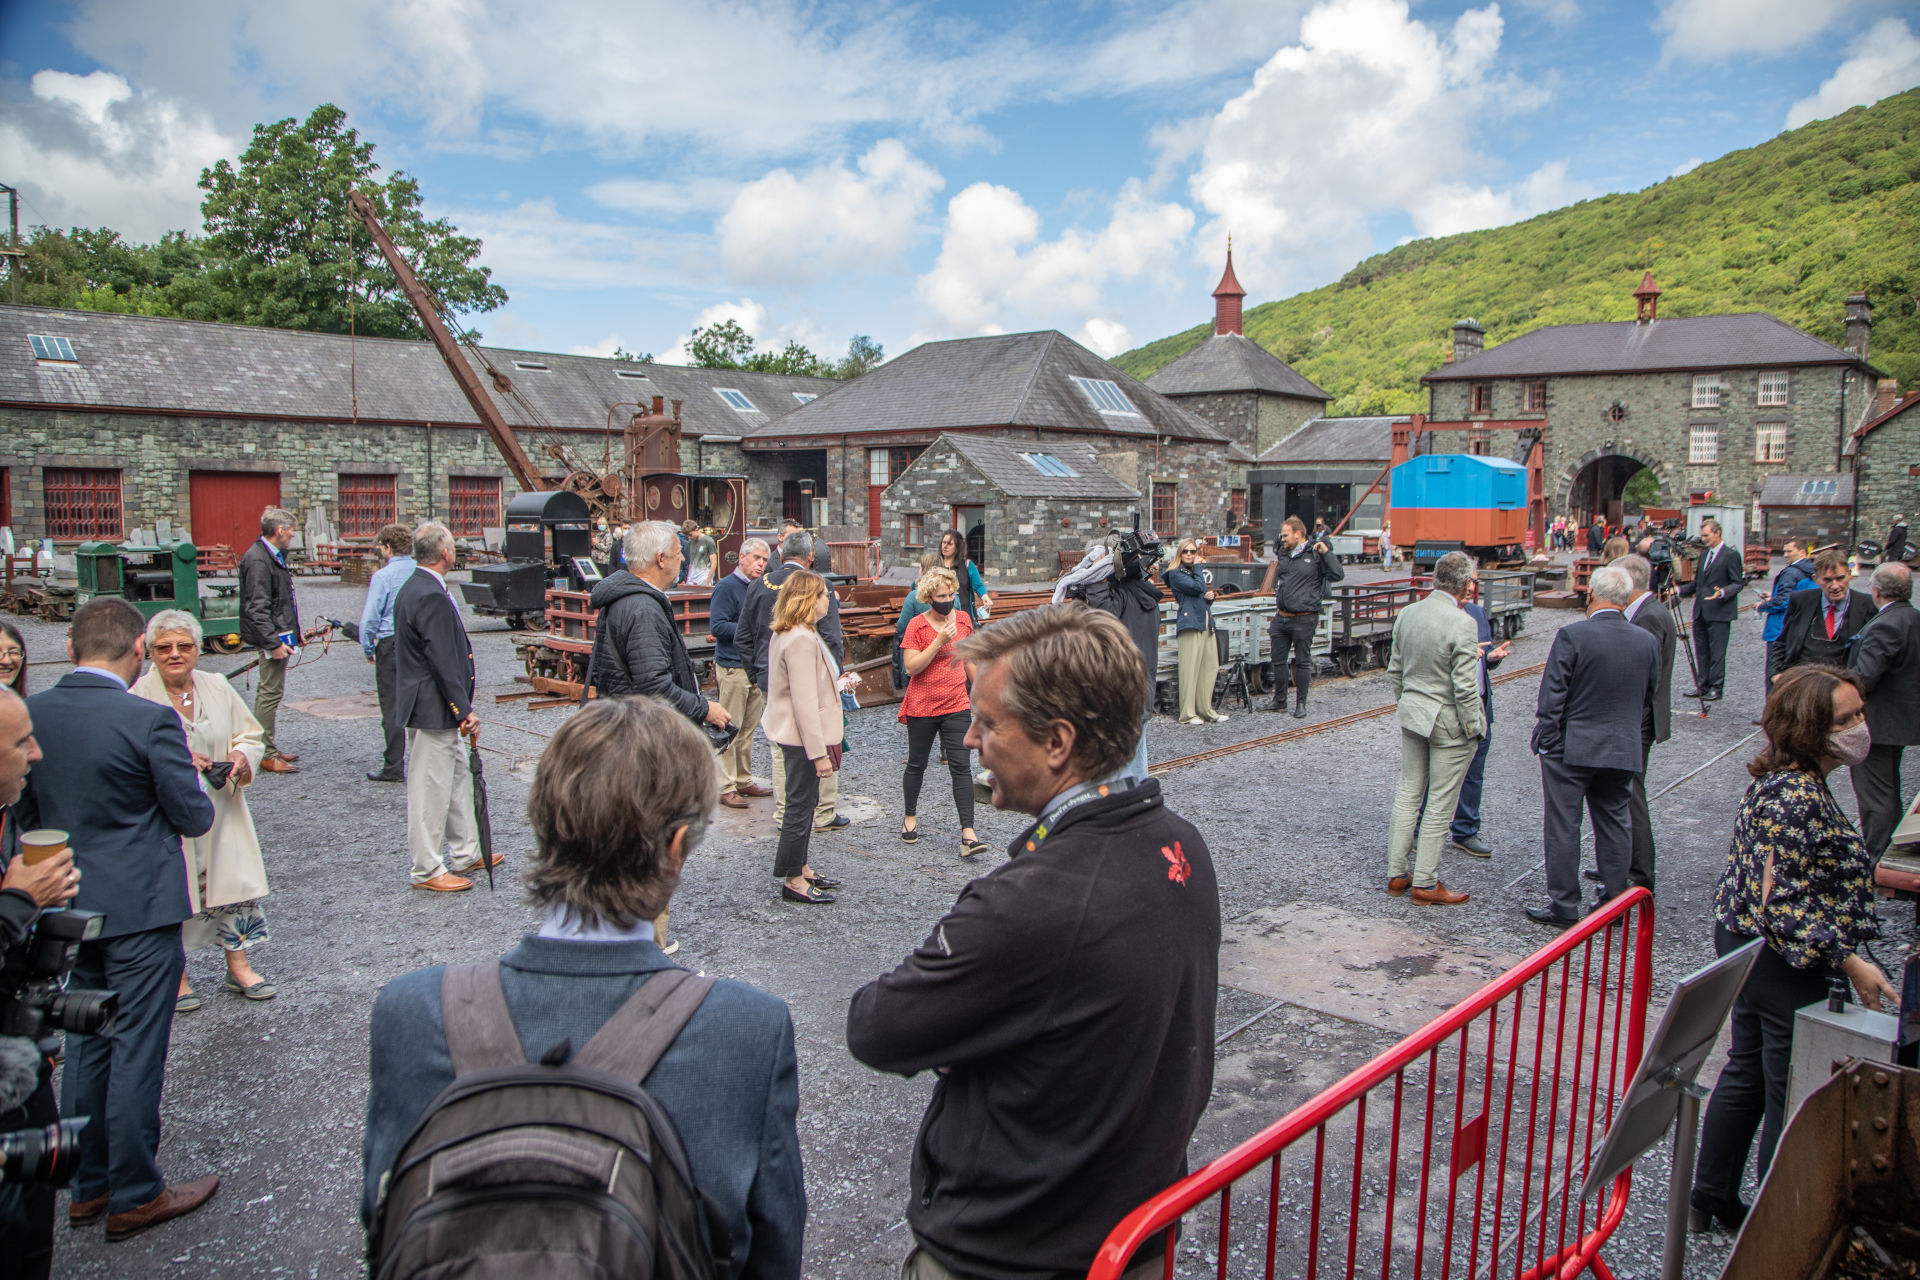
x=35, y=1001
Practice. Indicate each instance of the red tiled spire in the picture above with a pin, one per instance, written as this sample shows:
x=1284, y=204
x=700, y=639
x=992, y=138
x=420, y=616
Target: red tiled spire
x=1226, y=298
x=1648, y=297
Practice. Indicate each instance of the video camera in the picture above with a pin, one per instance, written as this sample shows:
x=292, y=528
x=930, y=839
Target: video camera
x=1137, y=552
x=1660, y=560
x=35, y=1000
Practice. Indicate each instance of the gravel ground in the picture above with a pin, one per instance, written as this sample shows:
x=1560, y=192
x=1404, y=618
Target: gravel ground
x=271, y=1096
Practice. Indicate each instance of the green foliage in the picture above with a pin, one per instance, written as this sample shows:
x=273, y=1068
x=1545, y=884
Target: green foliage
x=93, y=269
x=720, y=346
x=863, y=356
x=1642, y=490
x=728, y=346
x=621, y=353
x=1789, y=227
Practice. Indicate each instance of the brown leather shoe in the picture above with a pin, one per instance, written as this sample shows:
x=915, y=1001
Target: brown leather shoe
x=288, y=756
x=171, y=1203
x=478, y=864
x=1439, y=896
x=754, y=789
x=277, y=764
x=734, y=800
x=445, y=882
x=84, y=1213
x=1397, y=885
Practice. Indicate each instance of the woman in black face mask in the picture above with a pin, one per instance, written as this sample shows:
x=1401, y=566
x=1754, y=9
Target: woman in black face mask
x=1798, y=876
x=936, y=705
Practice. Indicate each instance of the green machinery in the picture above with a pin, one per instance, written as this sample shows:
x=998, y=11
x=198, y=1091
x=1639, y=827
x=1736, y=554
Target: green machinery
x=153, y=578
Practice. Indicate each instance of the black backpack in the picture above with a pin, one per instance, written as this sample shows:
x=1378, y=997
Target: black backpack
x=566, y=1170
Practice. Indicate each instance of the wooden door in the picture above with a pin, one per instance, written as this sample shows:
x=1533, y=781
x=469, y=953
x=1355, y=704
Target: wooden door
x=971, y=521
x=225, y=506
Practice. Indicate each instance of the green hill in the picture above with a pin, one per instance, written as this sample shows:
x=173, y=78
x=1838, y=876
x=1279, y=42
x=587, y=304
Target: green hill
x=1789, y=227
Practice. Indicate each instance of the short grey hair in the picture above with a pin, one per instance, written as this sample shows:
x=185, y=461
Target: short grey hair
x=1638, y=568
x=1893, y=582
x=1612, y=584
x=797, y=545
x=273, y=520
x=173, y=620
x=1453, y=573
x=648, y=541
x=756, y=547
x=431, y=541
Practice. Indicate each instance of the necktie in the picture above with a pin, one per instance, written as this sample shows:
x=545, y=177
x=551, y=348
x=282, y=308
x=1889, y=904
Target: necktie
x=1833, y=613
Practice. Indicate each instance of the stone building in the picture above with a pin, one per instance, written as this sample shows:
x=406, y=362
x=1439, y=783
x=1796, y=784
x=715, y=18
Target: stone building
x=1818, y=510
x=1041, y=389
x=111, y=422
x=1884, y=456
x=1713, y=405
x=1324, y=470
x=1237, y=384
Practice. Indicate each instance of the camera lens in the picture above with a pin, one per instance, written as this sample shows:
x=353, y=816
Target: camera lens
x=46, y=1155
x=83, y=1012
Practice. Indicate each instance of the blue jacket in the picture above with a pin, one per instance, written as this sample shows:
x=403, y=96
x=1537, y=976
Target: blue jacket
x=1190, y=593
x=1791, y=579
x=723, y=616
x=118, y=778
x=376, y=617
x=730, y=1081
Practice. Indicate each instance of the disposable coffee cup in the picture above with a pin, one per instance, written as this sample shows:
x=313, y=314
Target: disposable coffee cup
x=38, y=846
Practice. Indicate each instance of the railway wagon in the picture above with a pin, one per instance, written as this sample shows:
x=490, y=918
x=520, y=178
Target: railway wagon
x=1459, y=502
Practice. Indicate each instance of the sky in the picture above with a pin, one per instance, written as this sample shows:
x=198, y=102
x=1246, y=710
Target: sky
x=924, y=170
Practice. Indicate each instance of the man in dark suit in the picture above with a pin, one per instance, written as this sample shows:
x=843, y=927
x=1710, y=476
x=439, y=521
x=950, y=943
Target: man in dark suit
x=1596, y=536
x=1886, y=662
x=117, y=776
x=729, y=1081
x=1716, y=603
x=753, y=637
x=434, y=683
x=1601, y=674
x=1464, y=834
x=1821, y=625
x=267, y=615
x=1646, y=612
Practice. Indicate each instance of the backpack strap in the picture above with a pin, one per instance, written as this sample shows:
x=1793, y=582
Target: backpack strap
x=473, y=1011
x=632, y=1041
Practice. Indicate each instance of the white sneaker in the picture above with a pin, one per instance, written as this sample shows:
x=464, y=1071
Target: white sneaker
x=1196, y=720
x=671, y=948
x=1219, y=717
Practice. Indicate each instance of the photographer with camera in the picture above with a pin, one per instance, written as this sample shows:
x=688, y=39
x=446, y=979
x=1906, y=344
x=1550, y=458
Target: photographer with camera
x=120, y=781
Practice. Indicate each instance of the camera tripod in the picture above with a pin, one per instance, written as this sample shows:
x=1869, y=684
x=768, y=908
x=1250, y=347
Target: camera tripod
x=1683, y=632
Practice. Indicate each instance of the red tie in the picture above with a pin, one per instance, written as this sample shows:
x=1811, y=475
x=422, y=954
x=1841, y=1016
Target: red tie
x=1833, y=614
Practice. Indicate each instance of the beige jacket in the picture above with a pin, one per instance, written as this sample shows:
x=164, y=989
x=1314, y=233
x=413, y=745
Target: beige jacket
x=1436, y=671
x=224, y=866
x=803, y=701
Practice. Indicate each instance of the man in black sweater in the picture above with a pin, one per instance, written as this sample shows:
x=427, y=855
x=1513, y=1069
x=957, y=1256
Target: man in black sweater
x=1298, y=577
x=1071, y=1070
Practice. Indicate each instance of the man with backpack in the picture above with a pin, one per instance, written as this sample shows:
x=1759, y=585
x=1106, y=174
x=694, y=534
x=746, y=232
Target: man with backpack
x=583, y=1097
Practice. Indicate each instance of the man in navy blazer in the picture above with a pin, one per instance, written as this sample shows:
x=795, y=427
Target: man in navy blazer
x=1886, y=664
x=117, y=776
x=601, y=874
x=1716, y=603
x=1464, y=833
x=1601, y=674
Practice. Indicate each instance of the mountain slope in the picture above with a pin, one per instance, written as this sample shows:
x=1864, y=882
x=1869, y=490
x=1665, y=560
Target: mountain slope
x=1789, y=227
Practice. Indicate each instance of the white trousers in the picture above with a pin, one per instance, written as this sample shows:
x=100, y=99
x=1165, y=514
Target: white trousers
x=439, y=803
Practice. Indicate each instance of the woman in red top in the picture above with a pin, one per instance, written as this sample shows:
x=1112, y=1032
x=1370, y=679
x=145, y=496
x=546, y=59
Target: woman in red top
x=936, y=704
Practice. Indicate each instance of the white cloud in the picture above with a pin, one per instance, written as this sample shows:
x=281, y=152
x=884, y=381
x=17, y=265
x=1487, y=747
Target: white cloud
x=533, y=244
x=1686, y=167
x=994, y=270
x=751, y=315
x=603, y=348
x=1886, y=60
x=89, y=150
x=1559, y=13
x=1104, y=337
x=829, y=220
x=1708, y=30
x=1371, y=113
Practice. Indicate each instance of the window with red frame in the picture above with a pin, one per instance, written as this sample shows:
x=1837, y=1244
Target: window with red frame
x=1165, y=509
x=1534, y=397
x=366, y=505
x=83, y=502
x=1480, y=397
x=914, y=532
x=473, y=504
x=1237, y=505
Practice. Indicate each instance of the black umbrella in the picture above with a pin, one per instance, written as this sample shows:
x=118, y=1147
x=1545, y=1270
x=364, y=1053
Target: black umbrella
x=483, y=824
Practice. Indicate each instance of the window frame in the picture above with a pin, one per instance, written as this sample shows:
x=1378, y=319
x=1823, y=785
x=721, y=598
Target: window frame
x=1237, y=505
x=1696, y=433
x=879, y=467
x=52, y=348
x=1769, y=442
x=1715, y=385
x=1784, y=391
x=1533, y=396
x=1170, y=491
x=1096, y=389
x=463, y=492
x=806, y=397
x=745, y=404
x=76, y=501
x=1480, y=397
x=913, y=529
x=352, y=492
x=1049, y=464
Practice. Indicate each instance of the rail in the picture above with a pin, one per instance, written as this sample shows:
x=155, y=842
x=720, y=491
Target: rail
x=1483, y=1151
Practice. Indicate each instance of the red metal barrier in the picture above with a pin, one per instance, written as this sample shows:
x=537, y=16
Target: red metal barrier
x=1496, y=1109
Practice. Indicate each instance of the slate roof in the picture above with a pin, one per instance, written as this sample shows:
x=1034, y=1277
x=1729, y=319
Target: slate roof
x=1899, y=407
x=1232, y=362
x=1015, y=379
x=1750, y=339
x=999, y=460
x=1335, y=440
x=1807, y=491
x=153, y=363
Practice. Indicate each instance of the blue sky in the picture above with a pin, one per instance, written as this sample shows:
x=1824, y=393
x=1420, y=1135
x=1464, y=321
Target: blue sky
x=926, y=170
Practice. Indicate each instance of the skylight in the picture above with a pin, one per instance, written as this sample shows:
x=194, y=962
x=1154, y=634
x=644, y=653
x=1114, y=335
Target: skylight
x=1107, y=396
x=534, y=365
x=1048, y=465
x=1819, y=488
x=736, y=400
x=628, y=373
x=45, y=348
x=805, y=397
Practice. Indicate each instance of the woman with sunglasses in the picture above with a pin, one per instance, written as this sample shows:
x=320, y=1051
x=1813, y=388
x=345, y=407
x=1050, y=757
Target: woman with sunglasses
x=1199, y=657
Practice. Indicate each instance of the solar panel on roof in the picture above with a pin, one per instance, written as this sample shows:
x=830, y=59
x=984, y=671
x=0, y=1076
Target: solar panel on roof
x=1048, y=465
x=1107, y=396
x=51, y=348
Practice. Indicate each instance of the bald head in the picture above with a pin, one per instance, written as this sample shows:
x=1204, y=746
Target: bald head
x=18, y=750
x=1892, y=582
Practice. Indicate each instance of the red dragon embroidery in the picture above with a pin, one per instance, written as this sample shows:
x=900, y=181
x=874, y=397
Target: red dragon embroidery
x=1179, y=868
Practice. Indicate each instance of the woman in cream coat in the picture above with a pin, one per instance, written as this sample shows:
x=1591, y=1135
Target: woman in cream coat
x=226, y=876
x=805, y=723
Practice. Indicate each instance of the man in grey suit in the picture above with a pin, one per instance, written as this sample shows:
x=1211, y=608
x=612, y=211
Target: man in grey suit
x=1646, y=612
x=1886, y=663
x=1435, y=670
x=1601, y=675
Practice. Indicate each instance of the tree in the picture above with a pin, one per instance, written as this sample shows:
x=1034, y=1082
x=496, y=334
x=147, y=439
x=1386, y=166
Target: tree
x=720, y=346
x=863, y=356
x=289, y=255
x=93, y=269
x=621, y=353
x=1642, y=489
x=728, y=346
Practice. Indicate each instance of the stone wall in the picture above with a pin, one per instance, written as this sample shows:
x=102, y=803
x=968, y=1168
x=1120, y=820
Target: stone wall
x=1200, y=473
x=1884, y=483
x=1255, y=420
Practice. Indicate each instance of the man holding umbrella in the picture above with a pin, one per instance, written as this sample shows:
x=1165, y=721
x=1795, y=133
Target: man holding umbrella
x=435, y=683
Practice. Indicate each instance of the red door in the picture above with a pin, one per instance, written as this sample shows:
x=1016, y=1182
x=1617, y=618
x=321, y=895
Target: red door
x=226, y=506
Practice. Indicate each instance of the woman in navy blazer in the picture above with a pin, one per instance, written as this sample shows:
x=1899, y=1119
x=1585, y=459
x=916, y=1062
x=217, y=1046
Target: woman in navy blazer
x=1193, y=629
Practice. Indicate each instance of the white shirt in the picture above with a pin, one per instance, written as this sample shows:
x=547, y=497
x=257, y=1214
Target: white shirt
x=443, y=586
x=1633, y=606
x=101, y=671
x=562, y=924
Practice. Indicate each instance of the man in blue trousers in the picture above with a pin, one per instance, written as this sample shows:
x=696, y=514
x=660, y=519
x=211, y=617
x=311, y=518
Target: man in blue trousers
x=1464, y=834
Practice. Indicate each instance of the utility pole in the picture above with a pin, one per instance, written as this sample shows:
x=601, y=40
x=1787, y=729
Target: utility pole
x=13, y=252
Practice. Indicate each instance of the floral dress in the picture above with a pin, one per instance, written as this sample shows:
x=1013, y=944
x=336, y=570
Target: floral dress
x=1820, y=908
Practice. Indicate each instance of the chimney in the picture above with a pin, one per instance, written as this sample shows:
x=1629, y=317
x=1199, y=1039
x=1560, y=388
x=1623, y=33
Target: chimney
x=1886, y=393
x=1468, y=339
x=1859, y=324
x=1647, y=299
x=1226, y=298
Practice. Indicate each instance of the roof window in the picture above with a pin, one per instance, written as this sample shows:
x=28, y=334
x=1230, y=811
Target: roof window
x=629, y=373
x=736, y=400
x=1107, y=396
x=1819, y=488
x=1048, y=465
x=45, y=348
x=805, y=397
x=534, y=366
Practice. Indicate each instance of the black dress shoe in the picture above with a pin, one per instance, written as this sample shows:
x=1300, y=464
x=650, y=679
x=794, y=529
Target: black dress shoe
x=1695, y=693
x=380, y=775
x=839, y=820
x=1299, y=711
x=790, y=894
x=821, y=882
x=1594, y=876
x=1551, y=918
x=1705, y=1212
x=1711, y=695
x=1278, y=704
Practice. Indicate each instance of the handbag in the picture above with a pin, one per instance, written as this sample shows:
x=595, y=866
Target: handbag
x=720, y=736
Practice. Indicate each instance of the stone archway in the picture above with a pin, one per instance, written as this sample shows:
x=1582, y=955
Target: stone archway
x=1605, y=475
